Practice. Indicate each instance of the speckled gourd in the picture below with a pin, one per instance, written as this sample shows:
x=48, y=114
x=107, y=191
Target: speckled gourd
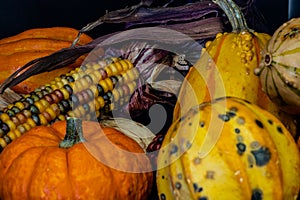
x=279, y=70
x=226, y=68
x=228, y=149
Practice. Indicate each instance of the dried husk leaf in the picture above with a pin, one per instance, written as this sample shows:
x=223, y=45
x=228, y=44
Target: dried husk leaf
x=136, y=131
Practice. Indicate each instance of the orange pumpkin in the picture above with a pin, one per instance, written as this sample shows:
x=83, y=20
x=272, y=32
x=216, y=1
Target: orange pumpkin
x=104, y=164
x=17, y=50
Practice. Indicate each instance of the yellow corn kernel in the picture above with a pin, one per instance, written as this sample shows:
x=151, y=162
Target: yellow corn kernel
x=61, y=117
x=104, y=85
x=31, y=122
x=39, y=105
x=59, y=84
x=51, y=113
x=43, y=120
x=115, y=94
x=109, y=84
x=10, y=124
x=85, y=84
x=4, y=117
x=17, y=133
x=11, y=135
x=53, y=86
x=20, y=105
x=108, y=71
x=27, y=126
x=81, y=110
x=3, y=143
x=10, y=106
x=65, y=93
x=101, y=101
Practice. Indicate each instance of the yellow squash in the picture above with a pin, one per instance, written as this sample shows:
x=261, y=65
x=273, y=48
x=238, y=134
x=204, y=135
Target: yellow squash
x=226, y=68
x=228, y=149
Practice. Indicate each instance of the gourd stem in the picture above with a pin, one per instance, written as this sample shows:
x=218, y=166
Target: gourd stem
x=74, y=133
x=234, y=14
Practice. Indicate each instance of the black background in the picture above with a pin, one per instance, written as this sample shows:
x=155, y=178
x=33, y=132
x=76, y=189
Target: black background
x=19, y=15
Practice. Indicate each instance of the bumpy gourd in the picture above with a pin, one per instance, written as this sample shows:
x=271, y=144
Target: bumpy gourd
x=279, y=70
x=228, y=149
x=70, y=161
x=226, y=67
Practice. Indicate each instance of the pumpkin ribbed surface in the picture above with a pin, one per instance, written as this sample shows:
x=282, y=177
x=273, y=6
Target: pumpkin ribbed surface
x=35, y=167
x=17, y=50
x=280, y=68
x=228, y=149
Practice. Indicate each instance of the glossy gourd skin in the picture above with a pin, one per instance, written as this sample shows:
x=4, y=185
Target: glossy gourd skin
x=279, y=70
x=17, y=50
x=226, y=68
x=228, y=149
x=38, y=166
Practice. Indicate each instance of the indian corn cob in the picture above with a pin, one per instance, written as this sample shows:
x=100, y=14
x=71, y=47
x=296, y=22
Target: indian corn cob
x=89, y=91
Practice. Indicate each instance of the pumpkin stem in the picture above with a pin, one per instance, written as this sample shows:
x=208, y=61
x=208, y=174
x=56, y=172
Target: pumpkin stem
x=234, y=14
x=74, y=133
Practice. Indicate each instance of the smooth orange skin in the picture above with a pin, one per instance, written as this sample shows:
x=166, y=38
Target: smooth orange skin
x=34, y=167
x=17, y=50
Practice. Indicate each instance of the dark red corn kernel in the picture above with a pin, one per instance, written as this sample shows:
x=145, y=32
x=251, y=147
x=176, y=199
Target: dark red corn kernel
x=47, y=116
x=36, y=119
x=86, y=96
x=59, y=94
x=48, y=98
x=126, y=90
x=54, y=97
x=15, y=120
x=103, y=73
x=80, y=98
x=21, y=118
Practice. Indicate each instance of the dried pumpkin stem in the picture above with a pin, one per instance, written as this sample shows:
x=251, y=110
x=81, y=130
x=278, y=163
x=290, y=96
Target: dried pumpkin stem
x=234, y=14
x=74, y=133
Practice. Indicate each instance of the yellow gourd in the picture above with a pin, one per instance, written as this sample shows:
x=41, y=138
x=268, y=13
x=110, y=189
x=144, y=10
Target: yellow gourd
x=226, y=68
